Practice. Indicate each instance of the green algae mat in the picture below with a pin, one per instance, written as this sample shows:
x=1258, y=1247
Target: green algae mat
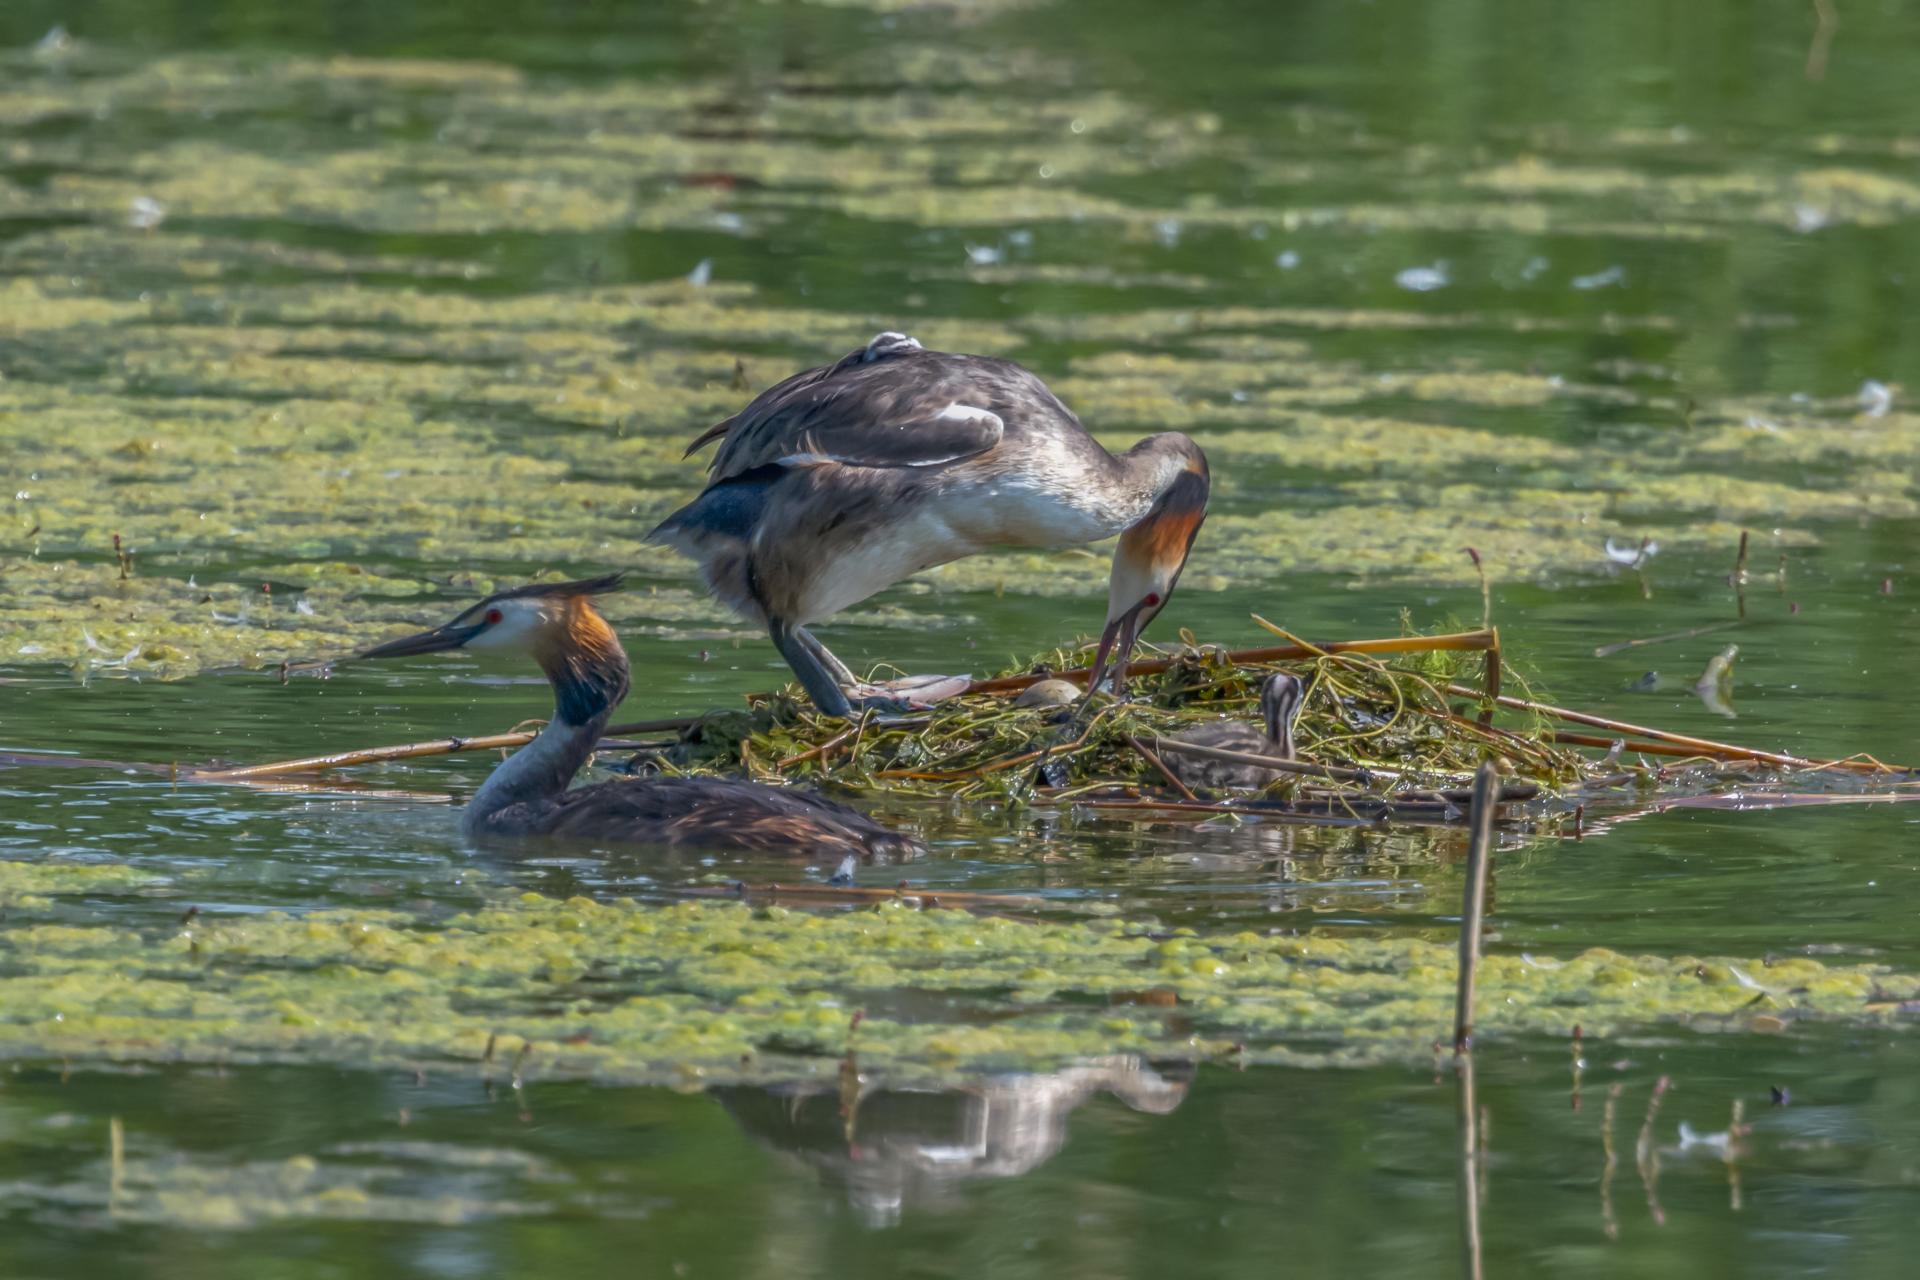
x=327, y=378
x=701, y=993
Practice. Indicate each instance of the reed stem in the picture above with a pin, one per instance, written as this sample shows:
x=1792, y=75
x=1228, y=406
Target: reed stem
x=1154, y=760
x=1700, y=746
x=412, y=751
x=902, y=892
x=1458, y=641
x=1486, y=785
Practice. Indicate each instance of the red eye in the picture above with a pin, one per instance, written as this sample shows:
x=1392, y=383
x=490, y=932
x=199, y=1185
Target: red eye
x=1153, y=598
x=494, y=615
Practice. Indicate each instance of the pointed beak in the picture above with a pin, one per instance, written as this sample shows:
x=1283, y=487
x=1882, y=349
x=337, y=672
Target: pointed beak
x=1116, y=648
x=448, y=637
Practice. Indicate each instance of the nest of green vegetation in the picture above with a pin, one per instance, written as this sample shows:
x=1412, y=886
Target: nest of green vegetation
x=1370, y=734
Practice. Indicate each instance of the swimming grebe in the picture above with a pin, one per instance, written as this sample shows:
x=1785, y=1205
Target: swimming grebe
x=557, y=625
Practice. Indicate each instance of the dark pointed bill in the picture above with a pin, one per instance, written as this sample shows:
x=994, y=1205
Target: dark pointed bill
x=1116, y=648
x=451, y=636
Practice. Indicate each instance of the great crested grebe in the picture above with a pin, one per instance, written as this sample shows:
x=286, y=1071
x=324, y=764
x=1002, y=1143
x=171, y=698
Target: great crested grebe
x=557, y=625
x=1280, y=699
x=843, y=480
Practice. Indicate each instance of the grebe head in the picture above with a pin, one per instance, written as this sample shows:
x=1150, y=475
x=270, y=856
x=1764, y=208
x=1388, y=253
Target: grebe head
x=556, y=624
x=1280, y=699
x=1150, y=555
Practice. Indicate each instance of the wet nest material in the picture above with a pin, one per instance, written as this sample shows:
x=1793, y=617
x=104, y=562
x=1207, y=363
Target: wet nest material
x=1374, y=737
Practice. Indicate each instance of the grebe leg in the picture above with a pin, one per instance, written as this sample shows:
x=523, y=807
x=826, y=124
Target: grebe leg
x=892, y=697
x=895, y=697
x=815, y=677
x=842, y=674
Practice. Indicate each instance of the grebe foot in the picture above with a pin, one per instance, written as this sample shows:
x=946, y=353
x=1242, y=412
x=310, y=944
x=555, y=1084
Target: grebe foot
x=917, y=692
x=885, y=709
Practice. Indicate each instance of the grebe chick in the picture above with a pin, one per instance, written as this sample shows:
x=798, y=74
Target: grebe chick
x=1280, y=699
x=557, y=625
x=843, y=480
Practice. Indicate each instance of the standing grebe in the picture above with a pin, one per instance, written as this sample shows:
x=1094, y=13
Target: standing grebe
x=843, y=480
x=556, y=624
x=1280, y=699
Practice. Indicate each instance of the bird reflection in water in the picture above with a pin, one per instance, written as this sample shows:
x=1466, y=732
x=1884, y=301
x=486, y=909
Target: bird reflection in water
x=888, y=1148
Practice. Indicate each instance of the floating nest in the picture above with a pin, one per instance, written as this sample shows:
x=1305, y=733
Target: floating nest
x=1387, y=729
x=1374, y=737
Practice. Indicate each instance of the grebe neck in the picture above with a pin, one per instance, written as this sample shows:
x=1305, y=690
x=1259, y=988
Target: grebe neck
x=589, y=680
x=538, y=771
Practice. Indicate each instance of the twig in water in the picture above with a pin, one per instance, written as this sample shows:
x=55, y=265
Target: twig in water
x=1817, y=48
x=1755, y=801
x=1621, y=646
x=54, y=760
x=1486, y=1147
x=1486, y=786
x=1701, y=746
x=1734, y=1132
x=116, y=1161
x=902, y=893
x=1739, y=576
x=1616, y=747
x=1646, y=1157
x=1471, y=1191
x=1609, y=1224
x=414, y=750
x=365, y=755
x=1579, y=1060
x=1486, y=592
x=1492, y=679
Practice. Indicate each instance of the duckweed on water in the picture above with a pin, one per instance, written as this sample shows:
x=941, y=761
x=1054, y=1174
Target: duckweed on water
x=714, y=992
x=241, y=407
x=90, y=619
x=26, y=885
x=419, y=1182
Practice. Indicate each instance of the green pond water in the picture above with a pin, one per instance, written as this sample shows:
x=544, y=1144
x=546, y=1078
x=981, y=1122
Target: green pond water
x=339, y=315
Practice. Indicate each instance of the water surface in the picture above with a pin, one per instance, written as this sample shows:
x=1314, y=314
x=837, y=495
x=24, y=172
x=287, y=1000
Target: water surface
x=380, y=305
